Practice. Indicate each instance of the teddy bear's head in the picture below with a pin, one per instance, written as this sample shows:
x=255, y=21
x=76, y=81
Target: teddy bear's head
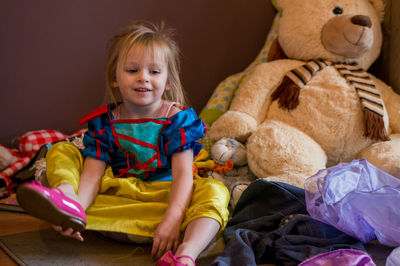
x=346, y=31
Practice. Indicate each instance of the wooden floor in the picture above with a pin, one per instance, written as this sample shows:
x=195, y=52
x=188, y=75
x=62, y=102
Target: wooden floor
x=14, y=223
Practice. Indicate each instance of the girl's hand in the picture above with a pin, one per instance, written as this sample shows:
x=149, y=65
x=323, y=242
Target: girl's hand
x=166, y=237
x=69, y=232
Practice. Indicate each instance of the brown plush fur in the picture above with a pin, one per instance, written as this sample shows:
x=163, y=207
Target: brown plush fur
x=374, y=126
x=288, y=94
x=275, y=52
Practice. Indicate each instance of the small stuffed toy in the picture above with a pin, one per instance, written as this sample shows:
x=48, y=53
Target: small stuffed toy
x=236, y=180
x=202, y=165
x=319, y=106
x=227, y=149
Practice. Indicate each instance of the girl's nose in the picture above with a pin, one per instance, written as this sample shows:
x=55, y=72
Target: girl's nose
x=143, y=76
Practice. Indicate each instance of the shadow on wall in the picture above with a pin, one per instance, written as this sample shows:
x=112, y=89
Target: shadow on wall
x=389, y=66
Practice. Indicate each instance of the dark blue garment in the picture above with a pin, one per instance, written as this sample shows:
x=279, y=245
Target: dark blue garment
x=270, y=224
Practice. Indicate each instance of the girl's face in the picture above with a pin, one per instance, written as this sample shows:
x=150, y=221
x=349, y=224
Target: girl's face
x=142, y=78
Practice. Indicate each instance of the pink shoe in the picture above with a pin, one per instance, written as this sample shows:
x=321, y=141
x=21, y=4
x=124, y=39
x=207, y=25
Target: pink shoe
x=53, y=207
x=169, y=259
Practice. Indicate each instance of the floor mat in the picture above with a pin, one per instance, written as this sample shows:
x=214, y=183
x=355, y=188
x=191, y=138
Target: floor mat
x=47, y=247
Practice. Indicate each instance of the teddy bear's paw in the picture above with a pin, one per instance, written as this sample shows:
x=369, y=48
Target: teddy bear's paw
x=227, y=149
x=394, y=172
x=276, y=148
x=294, y=179
x=384, y=155
x=234, y=125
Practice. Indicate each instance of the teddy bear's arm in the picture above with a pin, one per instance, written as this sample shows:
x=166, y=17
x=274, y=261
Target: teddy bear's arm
x=392, y=104
x=253, y=97
x=251, y=102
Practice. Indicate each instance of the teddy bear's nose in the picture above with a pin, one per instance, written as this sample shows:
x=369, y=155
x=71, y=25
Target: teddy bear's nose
x=362, y=20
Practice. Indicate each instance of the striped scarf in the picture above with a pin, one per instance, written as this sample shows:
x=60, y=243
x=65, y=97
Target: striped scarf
x=370, y=98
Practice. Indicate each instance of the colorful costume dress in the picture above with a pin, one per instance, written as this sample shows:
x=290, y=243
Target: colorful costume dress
x=135, y=188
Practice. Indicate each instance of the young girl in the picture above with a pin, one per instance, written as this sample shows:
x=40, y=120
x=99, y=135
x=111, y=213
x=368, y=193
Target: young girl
x=135, y=175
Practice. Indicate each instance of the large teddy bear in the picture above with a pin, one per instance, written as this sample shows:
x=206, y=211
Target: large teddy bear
x=320, y=106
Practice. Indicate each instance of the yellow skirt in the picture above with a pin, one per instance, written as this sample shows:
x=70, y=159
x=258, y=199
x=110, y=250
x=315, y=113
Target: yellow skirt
x=130, y=205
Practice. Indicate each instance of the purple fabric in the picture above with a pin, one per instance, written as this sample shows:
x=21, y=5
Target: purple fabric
x=358, y=199
x=394, y=258
x=348, y=257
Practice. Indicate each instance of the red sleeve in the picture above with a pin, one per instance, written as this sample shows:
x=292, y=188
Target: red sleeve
x=93, y=114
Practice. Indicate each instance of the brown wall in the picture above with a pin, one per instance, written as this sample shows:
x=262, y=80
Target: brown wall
x=53, y=52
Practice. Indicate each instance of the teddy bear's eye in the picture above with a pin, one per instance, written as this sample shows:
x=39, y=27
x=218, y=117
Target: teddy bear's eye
x=337, y=11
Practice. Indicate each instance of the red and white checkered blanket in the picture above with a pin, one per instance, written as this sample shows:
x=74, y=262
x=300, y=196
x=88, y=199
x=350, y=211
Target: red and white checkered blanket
x=29, y=145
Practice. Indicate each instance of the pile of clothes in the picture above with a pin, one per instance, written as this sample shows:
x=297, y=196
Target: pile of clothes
x=344, y=213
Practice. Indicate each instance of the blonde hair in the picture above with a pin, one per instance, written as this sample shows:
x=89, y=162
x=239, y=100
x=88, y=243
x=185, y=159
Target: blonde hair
x=151, y=36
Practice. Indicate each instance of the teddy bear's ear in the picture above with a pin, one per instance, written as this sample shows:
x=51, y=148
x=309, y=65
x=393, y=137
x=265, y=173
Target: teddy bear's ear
x=379, y=6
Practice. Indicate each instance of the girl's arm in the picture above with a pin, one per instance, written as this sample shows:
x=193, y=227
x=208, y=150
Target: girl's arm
x=90, y=180
x=167, y=233
x=182, y=185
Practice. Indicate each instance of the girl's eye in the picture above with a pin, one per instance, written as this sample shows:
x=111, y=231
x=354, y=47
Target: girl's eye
x=131, y=70
x=155, y=72
x=337, y=11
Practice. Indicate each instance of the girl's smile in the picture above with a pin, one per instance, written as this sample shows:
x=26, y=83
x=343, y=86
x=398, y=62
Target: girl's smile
x=142, y=89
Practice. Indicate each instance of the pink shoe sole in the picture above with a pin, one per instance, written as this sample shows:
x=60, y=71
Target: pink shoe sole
x=51, y=206
x=169, y=259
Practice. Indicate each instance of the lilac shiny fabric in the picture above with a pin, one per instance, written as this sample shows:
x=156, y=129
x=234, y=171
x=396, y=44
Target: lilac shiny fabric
x=358, y=199
x=348, y=257
x=394, y=258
